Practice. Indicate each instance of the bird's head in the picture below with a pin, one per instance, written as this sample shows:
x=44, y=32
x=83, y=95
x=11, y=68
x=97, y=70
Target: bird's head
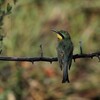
x=61, y=35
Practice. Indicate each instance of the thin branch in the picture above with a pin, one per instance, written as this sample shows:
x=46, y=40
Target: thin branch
x=91, y=55
x=29, y=59
x=81, y=50
x=48, y=59
x=41, y=50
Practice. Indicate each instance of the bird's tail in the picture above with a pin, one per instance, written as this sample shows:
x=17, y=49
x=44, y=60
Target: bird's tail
x=65, y=73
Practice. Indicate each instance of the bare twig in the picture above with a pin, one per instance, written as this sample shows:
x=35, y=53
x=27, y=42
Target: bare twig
x=41, y=50
x=81, y=50
x=48, y=59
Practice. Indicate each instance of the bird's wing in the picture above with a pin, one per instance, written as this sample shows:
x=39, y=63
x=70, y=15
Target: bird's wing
x=70, y=57
x=60, y=57
x=68, y=54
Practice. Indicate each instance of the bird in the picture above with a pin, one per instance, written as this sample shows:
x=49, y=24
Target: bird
x=64, y=52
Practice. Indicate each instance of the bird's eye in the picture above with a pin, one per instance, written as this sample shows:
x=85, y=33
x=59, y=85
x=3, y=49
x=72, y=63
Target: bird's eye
x=61, y=35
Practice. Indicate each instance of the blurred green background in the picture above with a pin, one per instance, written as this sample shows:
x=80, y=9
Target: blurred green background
x=27, y=27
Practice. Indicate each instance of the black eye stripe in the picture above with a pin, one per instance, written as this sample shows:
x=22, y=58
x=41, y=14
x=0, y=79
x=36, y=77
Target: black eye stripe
x=61, y=35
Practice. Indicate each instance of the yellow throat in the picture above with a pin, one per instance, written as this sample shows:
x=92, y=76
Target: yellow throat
x=59, y=37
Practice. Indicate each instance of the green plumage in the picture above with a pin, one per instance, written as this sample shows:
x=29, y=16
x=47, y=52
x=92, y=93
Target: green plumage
x=65, y=53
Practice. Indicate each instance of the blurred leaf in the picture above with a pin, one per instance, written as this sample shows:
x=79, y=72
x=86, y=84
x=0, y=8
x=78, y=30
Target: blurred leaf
x=15, y=1
x=2, y=1
x=9, y=7
x=49, y=72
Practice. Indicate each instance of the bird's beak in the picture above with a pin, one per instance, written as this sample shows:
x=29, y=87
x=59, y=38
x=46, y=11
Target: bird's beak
x=59, y=36
x=54, y=31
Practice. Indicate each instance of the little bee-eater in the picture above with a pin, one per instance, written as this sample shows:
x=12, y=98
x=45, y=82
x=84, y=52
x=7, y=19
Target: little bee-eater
x=65, y=52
